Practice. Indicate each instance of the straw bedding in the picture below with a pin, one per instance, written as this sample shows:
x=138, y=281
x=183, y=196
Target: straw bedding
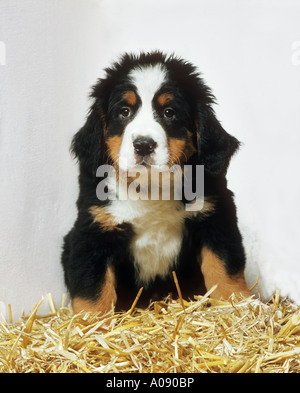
x=202, y=335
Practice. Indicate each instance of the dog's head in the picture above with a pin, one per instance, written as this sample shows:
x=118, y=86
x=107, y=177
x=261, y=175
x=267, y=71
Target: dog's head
x=152, y=110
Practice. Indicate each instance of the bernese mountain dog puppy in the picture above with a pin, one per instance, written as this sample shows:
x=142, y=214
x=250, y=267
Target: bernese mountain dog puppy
x=151, y=111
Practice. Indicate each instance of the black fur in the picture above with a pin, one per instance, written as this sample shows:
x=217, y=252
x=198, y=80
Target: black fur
x=88, y=249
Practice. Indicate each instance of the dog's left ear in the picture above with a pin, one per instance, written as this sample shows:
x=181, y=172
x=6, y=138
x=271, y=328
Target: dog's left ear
x=215, y=145
x=87, y=143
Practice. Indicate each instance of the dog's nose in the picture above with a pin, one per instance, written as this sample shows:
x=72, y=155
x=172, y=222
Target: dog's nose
x=143, y=146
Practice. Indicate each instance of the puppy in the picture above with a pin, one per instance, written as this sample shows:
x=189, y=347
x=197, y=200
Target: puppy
x=152, y=117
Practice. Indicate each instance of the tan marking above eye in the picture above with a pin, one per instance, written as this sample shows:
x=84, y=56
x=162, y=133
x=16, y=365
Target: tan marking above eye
x=130, y=97
x=165, y=99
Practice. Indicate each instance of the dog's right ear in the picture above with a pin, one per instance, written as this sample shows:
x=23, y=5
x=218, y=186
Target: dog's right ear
x=87, y=143
x=215, y=145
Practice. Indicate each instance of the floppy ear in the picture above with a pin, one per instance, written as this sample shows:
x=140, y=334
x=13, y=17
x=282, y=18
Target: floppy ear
x=87, y=143
x=215, y=145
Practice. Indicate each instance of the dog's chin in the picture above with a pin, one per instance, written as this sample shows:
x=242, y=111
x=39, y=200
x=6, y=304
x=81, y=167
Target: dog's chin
x=143, y=167
x=146, y=161
x=138, y=164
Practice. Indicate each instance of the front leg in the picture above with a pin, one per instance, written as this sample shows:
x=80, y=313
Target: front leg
x=222, y=256
x=92, y=250
x=102, y=303
x=214, y=272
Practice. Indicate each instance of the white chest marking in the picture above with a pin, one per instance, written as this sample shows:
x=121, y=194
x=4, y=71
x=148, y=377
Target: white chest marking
x=158, y=227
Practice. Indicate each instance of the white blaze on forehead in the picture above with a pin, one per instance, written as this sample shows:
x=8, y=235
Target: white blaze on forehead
x=147, y=81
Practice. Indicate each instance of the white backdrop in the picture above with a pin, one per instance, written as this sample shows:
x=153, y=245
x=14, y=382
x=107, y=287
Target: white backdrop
x=51, y=52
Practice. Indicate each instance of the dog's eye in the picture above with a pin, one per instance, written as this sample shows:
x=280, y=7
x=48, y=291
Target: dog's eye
x=169, y=114
x=125, y=113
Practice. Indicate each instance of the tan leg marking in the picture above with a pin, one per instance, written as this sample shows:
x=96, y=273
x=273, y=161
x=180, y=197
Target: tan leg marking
x=214, y=272
x=106, y=300
x=165, y=99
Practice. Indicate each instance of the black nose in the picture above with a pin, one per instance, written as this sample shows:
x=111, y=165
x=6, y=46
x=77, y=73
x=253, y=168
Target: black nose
x=144, y=146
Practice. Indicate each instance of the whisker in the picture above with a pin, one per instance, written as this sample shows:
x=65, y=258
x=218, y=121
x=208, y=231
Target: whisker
x=175, y=149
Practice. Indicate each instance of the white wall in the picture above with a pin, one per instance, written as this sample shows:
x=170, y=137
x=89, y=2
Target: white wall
x=248, y=52
x=51, y=60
